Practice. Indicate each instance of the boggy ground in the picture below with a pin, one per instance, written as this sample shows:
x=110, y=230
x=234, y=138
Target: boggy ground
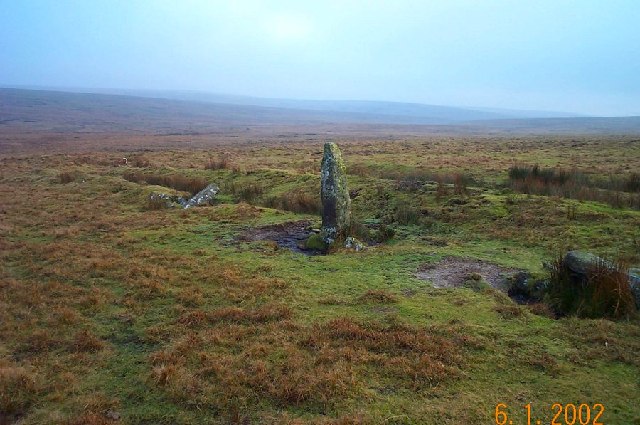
x=112, y=312
x=289, y=235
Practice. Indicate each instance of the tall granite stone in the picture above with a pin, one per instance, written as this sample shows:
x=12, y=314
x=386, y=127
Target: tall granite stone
x=336, y=204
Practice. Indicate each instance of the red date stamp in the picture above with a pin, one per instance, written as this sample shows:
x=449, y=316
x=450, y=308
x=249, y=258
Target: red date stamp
x=563, y=414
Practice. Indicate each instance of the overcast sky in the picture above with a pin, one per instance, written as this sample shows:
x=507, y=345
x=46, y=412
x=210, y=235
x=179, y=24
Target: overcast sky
x=560, y=55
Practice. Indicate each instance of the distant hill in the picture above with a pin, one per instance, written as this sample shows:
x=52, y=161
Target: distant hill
x=164, y=112
x=421, y=113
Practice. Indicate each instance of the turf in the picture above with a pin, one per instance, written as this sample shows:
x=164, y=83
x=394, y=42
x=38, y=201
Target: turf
x=111, y=309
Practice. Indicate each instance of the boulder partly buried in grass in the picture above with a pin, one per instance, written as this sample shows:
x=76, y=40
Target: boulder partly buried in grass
x=586, y=285
x=581, y=264
x=634, y=281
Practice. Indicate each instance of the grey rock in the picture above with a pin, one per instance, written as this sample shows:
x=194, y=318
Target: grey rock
x=169, y=201
x=519, y=283
x=579, y=262
x=634, y=281
x=334, y=194
x=353, y=243
x=112, y=414
x=205, y=197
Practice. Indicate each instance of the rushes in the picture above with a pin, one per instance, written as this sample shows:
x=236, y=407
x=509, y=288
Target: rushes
x=617, y=191
x=221, y=162
x=603, y=292
x=297, y=201
x=192, y=185
x=65, y=177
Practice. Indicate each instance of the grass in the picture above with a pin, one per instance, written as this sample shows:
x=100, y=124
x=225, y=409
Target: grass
x=618, y=191
x=177, y=182
x=167, y=316
x=604, y=291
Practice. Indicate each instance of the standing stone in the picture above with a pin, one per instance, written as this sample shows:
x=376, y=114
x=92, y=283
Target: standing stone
x=336, y=204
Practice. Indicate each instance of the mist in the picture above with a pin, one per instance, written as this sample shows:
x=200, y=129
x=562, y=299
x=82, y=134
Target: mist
x=575, y=56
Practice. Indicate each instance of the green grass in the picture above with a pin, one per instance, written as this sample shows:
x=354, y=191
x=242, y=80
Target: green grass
x=168, y=317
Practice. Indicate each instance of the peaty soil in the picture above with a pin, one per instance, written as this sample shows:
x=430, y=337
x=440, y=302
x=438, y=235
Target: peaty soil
x=452, y=272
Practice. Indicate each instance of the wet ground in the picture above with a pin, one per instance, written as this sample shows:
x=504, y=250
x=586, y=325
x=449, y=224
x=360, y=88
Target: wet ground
x=291, y=235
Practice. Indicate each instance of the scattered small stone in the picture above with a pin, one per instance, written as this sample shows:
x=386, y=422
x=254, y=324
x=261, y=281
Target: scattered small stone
x=353, y=243
x=315, y=242
x=168, y=201
x=112, y=414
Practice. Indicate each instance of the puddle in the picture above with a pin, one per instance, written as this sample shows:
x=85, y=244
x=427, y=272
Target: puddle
x=290, y=235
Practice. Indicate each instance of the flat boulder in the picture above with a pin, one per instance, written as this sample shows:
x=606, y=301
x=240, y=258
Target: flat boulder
x=580, y=262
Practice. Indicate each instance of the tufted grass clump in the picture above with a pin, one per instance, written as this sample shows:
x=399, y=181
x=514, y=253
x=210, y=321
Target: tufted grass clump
x=405, y=214
x=378, y=296
x=220, y=162
x=603, y=292
x=297, y=201
x=616, y=190
x=65, y=177
x=192, y=185
x=272, y=360
x=18, y=389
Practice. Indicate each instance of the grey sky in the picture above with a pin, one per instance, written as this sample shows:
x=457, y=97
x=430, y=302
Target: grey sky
x=563, y=55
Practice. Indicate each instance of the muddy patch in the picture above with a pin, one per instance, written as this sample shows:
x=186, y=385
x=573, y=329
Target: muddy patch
x=289, y=235
x=453, y=272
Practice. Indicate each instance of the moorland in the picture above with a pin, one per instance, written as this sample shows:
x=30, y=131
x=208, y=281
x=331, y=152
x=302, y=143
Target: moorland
x=114, y=309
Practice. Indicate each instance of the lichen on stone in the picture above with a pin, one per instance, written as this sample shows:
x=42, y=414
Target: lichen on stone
x=315, y=243
x=334, y=194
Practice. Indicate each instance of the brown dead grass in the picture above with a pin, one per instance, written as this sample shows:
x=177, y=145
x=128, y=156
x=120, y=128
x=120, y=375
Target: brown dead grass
x=243, y=356
x=80, y=270
x=18, y=389
x=267, y=313
x=177, y=182
x=378, y=296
